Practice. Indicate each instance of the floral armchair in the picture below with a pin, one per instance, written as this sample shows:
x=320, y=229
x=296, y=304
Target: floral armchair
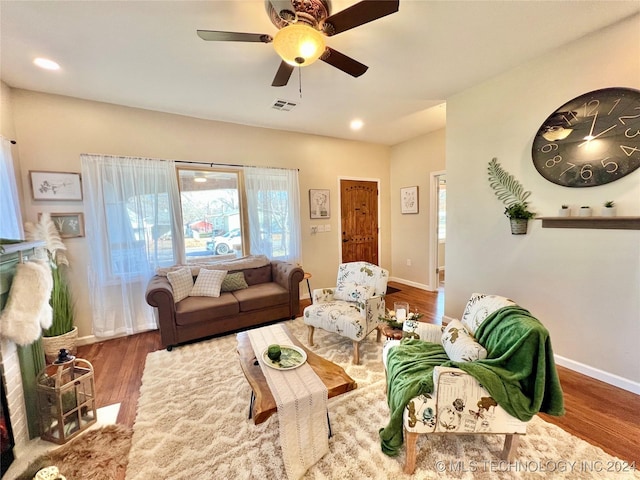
x=351, y=308
x=458, y=403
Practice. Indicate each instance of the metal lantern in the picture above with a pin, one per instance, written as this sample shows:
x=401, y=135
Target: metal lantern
x=66, y=398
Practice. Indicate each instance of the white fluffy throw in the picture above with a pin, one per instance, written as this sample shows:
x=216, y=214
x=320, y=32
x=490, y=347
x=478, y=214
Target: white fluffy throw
x=27, y=310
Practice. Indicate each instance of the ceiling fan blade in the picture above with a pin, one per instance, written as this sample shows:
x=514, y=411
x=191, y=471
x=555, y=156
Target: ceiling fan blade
x=215, y=36
x=282, y=75
x=359, y=14
x=342, y=62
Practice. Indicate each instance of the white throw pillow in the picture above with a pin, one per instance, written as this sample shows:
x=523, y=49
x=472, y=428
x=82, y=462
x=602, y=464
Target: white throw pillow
x=181, y=282
x=479, y=307
x=460, y=344
x=351, y=292
x=208, y=283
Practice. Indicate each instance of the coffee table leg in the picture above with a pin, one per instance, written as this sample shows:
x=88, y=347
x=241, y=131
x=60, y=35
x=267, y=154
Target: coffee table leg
x=251, y=402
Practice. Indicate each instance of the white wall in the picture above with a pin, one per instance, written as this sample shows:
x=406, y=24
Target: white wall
x=412, y=162
x=584, y=285
x=52, y=131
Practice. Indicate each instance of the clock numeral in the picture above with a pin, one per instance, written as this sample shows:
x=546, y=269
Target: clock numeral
x=626, y=133
x=575, y=117
x=629, y=150
x=615, y=104
x=628, y=117
x=549, y=147
x=571, y=165
x=585, y=172
x=607, y=164
x=591, y=107
x=552, y=162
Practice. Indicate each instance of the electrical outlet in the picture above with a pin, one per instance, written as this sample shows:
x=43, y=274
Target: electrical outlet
x=408, y=262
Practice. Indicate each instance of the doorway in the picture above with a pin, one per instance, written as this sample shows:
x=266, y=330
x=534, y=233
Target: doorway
x=438, y=223
x=359, y=220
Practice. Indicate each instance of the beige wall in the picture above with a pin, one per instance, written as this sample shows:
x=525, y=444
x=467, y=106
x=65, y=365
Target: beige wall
x=412, y=163
x=583, y=284
x=52, y=131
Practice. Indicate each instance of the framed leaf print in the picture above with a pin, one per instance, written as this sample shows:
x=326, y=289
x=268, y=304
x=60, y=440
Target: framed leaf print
x=409, y=199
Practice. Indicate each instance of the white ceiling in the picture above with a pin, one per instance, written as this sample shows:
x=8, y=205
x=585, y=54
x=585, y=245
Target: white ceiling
x=146, y=54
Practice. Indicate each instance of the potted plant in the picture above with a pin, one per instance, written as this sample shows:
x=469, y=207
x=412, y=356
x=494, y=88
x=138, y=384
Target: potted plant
x=564, y=211
x=62, y=333
x=609, y=209
x=512, y=194
x=585, y=211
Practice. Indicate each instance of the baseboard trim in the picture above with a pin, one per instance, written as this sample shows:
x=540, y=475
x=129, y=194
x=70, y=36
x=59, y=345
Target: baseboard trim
x=589, y=371
x=421, y=286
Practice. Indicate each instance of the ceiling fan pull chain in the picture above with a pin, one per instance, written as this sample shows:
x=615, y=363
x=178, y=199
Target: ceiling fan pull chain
x=300, y=80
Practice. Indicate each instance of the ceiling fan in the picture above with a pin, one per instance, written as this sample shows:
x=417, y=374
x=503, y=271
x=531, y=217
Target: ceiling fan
x=302, y=25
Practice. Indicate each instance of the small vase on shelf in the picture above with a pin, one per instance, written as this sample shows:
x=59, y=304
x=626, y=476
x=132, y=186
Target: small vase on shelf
x=609, y=209
x=584, y=212
x=565, y=211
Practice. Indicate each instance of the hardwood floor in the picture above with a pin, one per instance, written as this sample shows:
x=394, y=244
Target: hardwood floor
x=599, y=413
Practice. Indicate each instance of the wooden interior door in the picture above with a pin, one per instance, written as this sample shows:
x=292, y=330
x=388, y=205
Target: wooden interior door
x=359, y=208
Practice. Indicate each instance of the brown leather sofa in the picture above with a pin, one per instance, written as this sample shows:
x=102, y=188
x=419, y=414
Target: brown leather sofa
x=273, y=294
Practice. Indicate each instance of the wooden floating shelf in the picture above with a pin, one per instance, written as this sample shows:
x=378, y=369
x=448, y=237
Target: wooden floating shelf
x=617, y=223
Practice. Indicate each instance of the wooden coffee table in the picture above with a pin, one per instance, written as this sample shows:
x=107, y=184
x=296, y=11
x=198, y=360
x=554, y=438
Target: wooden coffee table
x=263, y=405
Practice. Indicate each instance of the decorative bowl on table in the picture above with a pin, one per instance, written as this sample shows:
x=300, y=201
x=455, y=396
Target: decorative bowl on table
x=392, y=319
x=290, y=357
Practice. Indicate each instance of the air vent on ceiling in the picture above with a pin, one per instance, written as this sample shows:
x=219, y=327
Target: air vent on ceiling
x=283, y=105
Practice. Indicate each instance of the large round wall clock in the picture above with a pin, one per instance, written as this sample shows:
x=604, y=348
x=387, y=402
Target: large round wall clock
x=592, y=140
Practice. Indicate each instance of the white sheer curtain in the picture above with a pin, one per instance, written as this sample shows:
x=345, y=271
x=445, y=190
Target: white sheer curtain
x=10, y=215
x=129, y=204
x=273, y=203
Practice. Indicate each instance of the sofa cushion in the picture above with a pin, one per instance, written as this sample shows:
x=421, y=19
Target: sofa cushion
x=233, y=281
x=263, y=295
x=479, y=307
x=193, y=310
x=208, y=283
x=460, y=344
x=181, y=283
x=254, y=276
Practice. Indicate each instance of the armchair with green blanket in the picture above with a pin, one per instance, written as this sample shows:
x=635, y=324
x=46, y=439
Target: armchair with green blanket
x=491, y=372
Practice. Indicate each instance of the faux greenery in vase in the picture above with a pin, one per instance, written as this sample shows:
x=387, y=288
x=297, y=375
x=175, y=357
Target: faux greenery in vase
x=62, y=333
x=511, y=192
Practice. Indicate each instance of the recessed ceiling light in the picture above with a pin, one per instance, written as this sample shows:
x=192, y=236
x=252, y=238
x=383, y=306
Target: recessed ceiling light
x=46, y=64
x=356, y=124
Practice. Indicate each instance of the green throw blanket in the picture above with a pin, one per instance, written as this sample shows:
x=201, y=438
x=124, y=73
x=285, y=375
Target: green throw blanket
x=519, y=371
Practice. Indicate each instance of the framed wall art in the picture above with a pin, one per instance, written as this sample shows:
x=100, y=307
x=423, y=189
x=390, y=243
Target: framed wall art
x=319, y=204
x=69, y=225
x=55, y=185
x=409, y=199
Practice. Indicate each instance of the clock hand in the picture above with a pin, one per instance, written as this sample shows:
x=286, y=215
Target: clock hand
x=593, y=124
x=601, y=133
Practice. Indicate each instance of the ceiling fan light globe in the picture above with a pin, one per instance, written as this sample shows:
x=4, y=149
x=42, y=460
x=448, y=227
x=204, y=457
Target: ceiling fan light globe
x=299, y=45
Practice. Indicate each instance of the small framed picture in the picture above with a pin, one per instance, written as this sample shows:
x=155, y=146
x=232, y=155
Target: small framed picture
x=55, y=185
x=69, y=225
x=319, y=206
x=409, y=199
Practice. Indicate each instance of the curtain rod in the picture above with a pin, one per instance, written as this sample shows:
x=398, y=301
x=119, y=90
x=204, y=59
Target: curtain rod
x=211, y=164
x=13, y=142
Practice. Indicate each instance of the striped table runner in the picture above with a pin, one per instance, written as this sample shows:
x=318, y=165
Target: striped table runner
x=301, y=398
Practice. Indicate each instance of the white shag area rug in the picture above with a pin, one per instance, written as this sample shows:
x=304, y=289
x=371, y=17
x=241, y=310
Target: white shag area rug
x=192, y=423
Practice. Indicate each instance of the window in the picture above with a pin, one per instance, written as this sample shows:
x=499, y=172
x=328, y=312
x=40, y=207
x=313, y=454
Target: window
x=10, y=216
x=211, y=212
